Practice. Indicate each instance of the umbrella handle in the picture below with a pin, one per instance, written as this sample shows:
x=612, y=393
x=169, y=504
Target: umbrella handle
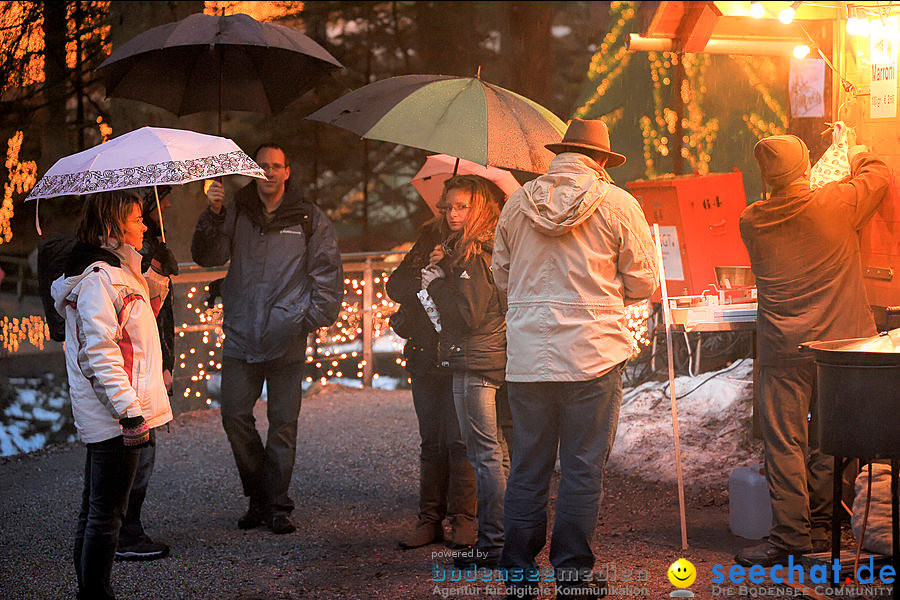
x=162, y=230
x=37, y=220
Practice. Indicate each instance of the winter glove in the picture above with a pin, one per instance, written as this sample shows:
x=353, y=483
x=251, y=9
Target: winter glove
x=164, y=262
x=135, y=433
x=429, y=274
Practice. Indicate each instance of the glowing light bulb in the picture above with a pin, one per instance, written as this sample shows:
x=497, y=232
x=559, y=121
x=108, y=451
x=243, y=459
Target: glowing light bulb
x=801, y=51
x=756, y=10
x=787, y=15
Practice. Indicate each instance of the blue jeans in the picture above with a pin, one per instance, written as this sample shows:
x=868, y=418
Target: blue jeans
x=579, y=418
x=474, y=397
x=265, y=470
x=108, y=473
x=132, y=528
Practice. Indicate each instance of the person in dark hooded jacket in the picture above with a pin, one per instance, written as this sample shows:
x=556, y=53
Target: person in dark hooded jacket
x=472, y=344
x=446, y=479
x=284, y=281
x=134, y=543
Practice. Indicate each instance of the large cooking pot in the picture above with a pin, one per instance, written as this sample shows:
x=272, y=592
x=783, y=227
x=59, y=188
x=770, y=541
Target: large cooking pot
x=859, y=396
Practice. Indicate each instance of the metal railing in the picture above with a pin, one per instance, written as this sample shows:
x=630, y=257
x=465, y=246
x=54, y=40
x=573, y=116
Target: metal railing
x=371, y=266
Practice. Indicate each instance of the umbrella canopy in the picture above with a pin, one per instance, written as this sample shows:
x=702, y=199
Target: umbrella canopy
x=460, y=116
x=210, y=62
x=438, y=168
x=144, y=157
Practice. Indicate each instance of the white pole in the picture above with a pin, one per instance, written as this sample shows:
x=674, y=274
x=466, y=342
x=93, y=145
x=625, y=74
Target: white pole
x=667, y=319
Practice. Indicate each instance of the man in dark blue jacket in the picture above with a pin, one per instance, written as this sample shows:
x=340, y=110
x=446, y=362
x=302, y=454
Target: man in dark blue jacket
x=284, y=281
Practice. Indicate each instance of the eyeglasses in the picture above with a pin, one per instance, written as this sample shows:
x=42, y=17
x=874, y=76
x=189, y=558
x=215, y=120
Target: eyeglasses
x=454, y=208
x=275, y=168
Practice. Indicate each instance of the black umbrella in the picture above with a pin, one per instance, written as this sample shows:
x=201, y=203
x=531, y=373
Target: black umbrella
x=210, y=62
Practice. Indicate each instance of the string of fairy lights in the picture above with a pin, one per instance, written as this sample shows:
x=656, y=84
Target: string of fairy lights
x=16, y=331
x=22, y=177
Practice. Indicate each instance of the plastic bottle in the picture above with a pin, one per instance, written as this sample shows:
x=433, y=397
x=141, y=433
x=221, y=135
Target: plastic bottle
x=749, y=508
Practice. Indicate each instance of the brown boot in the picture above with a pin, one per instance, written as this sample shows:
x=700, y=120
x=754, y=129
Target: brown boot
x=432, y=505
x=462, y=503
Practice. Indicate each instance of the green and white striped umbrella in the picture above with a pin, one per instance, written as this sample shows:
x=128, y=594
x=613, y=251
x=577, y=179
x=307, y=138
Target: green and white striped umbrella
x=464, y=117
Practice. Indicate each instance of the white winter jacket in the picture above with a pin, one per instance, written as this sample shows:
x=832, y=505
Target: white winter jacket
x=570, y=251
x=113, y=354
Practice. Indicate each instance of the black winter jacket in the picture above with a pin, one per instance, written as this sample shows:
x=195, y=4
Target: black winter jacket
x=165, y=320
x=473, y=317
x=402, y=286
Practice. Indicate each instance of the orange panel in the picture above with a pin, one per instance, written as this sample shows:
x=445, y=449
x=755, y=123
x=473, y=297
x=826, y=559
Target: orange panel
x=699, y=219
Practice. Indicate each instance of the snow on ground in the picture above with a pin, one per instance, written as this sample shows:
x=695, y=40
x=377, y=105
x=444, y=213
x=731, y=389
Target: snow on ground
x=39, y=414
x=714, y=411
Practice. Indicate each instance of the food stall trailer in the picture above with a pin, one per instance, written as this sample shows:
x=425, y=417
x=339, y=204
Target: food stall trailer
x=858, y=41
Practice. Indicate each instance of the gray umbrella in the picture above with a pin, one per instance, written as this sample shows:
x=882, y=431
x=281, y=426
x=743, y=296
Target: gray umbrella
x=209, y=62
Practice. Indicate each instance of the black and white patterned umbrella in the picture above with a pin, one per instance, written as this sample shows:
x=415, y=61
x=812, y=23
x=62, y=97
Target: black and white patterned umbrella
x=147, y=156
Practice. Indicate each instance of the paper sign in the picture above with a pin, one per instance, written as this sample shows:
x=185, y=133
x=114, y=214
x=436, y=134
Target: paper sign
x=671, y=252
x=807, y=85
x=883, y=68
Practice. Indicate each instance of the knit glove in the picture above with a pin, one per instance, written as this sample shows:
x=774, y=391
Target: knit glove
x=429, y=274
x=164, y=262
x=135, y=433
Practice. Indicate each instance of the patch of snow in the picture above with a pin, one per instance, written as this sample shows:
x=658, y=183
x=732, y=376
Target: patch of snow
x=385, y=383
x=714, y=424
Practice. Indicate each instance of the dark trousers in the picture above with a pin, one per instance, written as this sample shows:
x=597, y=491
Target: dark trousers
x=109, y=470
x=579, y=418
x=132, y=528
x=438, y=426
x=265, y=470
x=798, y=475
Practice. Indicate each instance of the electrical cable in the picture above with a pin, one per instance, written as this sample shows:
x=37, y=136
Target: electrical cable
x=736, y=364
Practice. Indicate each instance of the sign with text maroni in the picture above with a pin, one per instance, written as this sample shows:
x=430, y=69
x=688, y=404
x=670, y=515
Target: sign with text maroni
x=883, y=67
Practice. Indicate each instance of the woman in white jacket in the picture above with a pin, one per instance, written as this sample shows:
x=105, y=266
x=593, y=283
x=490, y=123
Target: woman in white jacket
x=114, y=364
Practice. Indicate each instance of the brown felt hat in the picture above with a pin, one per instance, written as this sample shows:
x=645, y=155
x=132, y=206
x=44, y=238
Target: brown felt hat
x=781, y=159
x=587, y=135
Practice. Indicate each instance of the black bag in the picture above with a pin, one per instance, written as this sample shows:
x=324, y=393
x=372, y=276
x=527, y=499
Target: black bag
x=51, y=263
x=402, y=321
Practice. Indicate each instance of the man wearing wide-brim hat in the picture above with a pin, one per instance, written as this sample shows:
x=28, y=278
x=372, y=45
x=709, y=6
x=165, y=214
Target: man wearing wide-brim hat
x=571, y=251
x=804, y=251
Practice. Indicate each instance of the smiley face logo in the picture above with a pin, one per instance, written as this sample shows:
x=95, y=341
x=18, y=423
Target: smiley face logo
x=682, y=573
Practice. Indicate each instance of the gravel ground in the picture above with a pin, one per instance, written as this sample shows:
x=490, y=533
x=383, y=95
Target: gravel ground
x=355, y=485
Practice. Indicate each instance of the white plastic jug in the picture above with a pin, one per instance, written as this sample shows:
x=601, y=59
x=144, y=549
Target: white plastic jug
x=749, y=509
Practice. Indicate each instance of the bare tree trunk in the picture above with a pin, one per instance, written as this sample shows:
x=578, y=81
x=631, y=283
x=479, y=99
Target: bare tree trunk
x=531, y=59
x=447, y=41
x=55, y=142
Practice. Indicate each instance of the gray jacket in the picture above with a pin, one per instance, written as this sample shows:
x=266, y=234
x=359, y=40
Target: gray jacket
x=279, y=286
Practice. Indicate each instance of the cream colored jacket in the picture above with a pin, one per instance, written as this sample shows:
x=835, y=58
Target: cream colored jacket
x=571, y=250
